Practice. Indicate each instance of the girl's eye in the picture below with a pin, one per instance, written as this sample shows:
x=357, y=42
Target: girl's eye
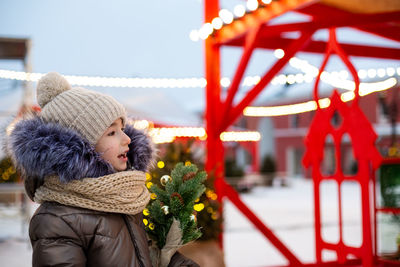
x=111, y=133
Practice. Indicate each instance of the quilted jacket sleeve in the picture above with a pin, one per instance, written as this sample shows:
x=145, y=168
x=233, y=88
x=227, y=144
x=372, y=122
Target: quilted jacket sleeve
x=178, y=260
x=54, y=242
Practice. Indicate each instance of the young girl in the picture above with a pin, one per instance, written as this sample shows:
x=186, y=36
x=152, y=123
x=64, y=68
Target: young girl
x=86, y=167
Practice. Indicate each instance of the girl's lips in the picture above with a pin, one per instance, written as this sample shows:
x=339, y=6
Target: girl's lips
x=123, y=157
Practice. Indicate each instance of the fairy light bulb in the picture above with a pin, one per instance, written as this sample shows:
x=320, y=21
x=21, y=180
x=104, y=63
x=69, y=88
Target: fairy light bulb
x=225, y=82
x=362, y=74
x=252, y=5
x=279, y=53
x=371, y=73
x=203, y=34
x=291, y=79
x=217, y=23
x=381, y=72
x=239, y=11
x=226, y=16
x=194, y=35
x=390, y=71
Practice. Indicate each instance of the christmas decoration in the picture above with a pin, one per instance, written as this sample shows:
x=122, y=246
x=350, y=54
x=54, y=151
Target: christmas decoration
x=165, y=179
x=209, y=219
x=175, y=202
x=165, y=209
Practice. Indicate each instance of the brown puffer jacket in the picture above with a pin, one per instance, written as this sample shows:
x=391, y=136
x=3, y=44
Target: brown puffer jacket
x=69, y=236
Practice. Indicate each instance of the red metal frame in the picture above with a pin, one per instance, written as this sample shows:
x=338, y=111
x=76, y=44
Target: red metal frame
x=251, y=32
x=368, y=158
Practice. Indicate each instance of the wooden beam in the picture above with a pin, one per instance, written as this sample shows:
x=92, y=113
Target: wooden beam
x=13, y=48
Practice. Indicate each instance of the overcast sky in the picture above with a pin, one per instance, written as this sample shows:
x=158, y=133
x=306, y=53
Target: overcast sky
x=127, y=38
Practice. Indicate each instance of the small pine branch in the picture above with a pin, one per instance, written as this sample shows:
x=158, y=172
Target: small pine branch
x=176, y=201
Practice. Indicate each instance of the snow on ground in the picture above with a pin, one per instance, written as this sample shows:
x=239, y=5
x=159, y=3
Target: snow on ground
x=288, y=211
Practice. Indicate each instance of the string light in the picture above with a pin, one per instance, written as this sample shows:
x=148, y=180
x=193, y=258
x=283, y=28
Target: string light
x=240, y=136
x=310, y=73
x=141, y=124
x=226, y=16
x=169, y=134
x=279, y=53
x=225, y=82
x=390, y=71
x=239, y=11
x=311, y=105
x=217, y=23
x=194, y=35
x=115, y=82
x=252, y=5
x=338, y=79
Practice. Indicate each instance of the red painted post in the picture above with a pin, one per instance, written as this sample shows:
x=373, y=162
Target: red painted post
x=215, y=150
x=368, y=158
x=213, y=89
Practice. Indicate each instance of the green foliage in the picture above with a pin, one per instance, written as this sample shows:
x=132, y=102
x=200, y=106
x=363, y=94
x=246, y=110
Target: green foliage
x=232, y=169
x=8, y=173
x=390, y=184
x=176, y=200
x=209, y=218
x=268, y=165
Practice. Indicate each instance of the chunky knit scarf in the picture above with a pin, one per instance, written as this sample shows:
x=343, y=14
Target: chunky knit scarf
x=122, y=192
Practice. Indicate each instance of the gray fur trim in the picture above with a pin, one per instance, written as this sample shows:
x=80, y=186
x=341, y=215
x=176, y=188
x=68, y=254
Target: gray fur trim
x=41, y=149
x=142, y=152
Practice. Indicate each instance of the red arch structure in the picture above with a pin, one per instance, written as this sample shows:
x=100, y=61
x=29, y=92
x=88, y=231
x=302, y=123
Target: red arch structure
x=380, y=18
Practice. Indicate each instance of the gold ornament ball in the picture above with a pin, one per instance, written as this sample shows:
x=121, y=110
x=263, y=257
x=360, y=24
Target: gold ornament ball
x=165, y=179
x=165, y=209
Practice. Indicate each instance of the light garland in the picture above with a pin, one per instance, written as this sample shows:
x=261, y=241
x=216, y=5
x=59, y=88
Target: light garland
x=161, y=135
x=310, y=74
x=336, y=79
x=169, y=134
x=311, y=105
x=246, y=136
x=226, y=17
x=111, y=81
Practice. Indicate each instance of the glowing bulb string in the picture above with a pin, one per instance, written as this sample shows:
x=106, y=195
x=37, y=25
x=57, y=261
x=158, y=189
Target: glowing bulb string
x=226, y=17
x=309, y=74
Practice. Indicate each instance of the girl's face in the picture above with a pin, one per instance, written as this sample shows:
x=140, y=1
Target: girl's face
x=113, y=145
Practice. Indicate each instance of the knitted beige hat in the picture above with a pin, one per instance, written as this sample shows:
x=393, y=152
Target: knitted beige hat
x=88, y=112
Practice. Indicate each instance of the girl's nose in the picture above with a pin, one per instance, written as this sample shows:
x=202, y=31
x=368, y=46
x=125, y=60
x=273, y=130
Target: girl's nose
x=126, y=139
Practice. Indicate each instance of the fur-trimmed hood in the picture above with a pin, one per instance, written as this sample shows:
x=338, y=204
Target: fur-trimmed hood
x=39, y=149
